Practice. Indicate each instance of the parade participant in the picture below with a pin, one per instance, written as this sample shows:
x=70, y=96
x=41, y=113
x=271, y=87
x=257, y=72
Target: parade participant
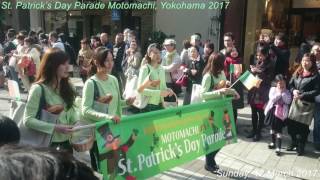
x=103, y=88
x=193, y=69
x=277, y=110
x=52, y=83
x=171, y=64
x=316, y=130
x=21, y=162
x=85, y=56
x=304, y=86
x=263, y=68
x=233, y=59
x=212, y=76
x=156, y=90
x=9, y=131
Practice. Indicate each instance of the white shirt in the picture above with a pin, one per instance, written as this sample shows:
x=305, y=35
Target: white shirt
x=59, y=45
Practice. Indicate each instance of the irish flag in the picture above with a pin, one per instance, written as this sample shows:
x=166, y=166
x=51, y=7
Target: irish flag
x=249, y=80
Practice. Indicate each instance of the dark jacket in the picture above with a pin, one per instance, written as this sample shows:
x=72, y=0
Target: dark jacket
x=308, y=86
x=266, y=74
x=282, y=60
x=118, y=55
x=194, y=79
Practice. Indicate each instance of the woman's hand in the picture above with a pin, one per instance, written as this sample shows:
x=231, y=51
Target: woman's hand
x=116, y=119
x=165, y=93
x=55, y=109
x=64, y=129
x=171, y=93
x=296, y=94
x=105, y=99
x=194, y=72
x=130, y=100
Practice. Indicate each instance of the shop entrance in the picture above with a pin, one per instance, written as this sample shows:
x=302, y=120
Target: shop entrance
x=305, y=24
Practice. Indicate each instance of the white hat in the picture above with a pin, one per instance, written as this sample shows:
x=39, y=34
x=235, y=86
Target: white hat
x=195, y=37
x=169, y=41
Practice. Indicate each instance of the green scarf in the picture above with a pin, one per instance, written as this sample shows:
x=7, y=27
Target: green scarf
x=169, y=57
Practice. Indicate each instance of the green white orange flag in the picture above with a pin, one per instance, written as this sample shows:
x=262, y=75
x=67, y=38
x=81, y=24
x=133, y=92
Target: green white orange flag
x=249, y=80
x=231, y=68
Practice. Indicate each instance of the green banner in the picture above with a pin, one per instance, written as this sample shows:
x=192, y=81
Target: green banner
x=144, y=145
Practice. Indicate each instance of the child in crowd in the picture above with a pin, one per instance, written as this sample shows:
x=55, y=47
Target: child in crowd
x=276, y=111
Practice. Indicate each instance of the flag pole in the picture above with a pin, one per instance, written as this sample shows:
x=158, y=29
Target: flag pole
x=235, y=83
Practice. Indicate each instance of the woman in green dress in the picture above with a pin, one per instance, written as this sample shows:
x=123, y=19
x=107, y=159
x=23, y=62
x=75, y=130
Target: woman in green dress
x=103, y=89
x=52, y=83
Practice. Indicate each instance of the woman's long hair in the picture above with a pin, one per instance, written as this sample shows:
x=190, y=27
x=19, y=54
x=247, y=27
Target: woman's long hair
x=313, y=70
x=47, y=74
x=215, y=64
x=150, y=47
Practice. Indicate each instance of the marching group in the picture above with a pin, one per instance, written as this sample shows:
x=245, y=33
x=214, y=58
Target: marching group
x=111, y=72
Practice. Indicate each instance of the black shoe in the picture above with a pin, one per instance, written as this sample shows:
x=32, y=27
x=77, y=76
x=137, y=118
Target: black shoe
x=300, y=146
x=214, y=169
x=292, y=147
x=271, y=146
x=251, y=135
x=273, y=142
x=256, y=138
x=278, y=146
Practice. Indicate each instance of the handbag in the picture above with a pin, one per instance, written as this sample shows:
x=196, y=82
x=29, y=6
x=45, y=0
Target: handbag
x=195, y=94
x=301, y=111
x=98, y=106
x=31, y=69
x=131, y=86
x=170, y=101
x=183, y=80
x=31, y=136
x=280, y=112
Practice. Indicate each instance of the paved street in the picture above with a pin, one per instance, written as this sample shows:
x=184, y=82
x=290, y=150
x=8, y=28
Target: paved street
x=243, y=160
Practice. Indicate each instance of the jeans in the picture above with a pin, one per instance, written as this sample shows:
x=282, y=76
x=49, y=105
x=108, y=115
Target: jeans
x=13, y=74
x=257, y=119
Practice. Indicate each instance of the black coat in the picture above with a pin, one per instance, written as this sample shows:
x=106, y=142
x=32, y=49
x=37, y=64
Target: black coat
x=308, y=86
x=194, y=79
x=118, y=55
x=282, y=60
